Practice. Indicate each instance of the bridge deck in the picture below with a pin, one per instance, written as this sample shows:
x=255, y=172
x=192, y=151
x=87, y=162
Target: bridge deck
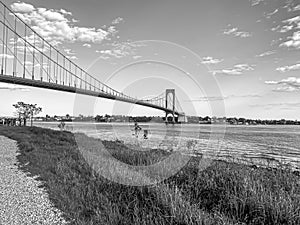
x=53, y=86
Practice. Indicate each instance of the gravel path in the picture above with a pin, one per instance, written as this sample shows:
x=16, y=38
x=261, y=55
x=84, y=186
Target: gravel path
x=22, y=201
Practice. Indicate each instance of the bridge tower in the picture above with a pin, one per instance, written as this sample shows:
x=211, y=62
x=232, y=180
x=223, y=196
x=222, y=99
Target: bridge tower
x=170, y=100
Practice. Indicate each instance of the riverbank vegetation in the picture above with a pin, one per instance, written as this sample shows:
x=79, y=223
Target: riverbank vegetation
x=223, y=193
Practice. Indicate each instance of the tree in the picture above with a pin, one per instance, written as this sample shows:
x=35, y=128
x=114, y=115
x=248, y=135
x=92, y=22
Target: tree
x=26, y=111
x=68, y=118
x=98, y=118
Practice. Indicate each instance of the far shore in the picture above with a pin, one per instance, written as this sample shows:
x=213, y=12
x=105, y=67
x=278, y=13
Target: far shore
x=179, y=124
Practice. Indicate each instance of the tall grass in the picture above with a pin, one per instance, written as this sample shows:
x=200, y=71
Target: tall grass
x=224, y=193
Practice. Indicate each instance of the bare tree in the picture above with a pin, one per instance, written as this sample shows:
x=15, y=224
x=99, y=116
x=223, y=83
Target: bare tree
x=26, y=111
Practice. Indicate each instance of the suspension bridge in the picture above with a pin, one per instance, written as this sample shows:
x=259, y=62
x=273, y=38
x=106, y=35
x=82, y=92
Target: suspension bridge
x=29, y=59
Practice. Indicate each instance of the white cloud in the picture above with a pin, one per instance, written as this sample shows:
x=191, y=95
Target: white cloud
x=117, y=20
x=119, y=50
x=268, y=15
x=271, y=82
x=290, y=5
x=243, y=67
x=290, y=81
x=286, y=89
x=296, y=8
x=267, y=53
x=116, y=53
x=70, y=54
x=55, y=25
x=63, y=11
x=211, y=60
x=51, y=15
x=294, y=20
x=22, y=7
x=288, y=68
x=73, y=57
x=290, y=84
x=69, y=51
x=230, y=31
x=237, y=33
x=238, y=69
x=275, y=28
x=283, y=29
x=293, y=41
x=87, y=45
x=292, y=24
x=90, y=34
x=74, y=20
x=286, y=28
x=255, y=2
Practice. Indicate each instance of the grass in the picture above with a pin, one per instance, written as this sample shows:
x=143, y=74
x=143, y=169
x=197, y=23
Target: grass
x=224, y=193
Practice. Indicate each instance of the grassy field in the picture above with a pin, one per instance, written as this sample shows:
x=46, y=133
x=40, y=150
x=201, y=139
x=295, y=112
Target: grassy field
x=224, y=193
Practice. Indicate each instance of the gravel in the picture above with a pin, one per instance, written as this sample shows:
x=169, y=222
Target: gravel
x=22, y=200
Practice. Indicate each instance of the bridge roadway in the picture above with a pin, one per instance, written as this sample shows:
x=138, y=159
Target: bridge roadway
x=70, y=89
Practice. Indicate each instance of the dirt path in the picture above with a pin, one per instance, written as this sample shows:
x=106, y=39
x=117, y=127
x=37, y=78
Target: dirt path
x=22, y=201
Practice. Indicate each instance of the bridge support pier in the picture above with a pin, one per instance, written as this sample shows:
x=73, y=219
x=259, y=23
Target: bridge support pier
x=173, y=121
x=172, y=103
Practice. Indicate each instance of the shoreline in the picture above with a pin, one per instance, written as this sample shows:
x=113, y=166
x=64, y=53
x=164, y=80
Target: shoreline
x=179, y=124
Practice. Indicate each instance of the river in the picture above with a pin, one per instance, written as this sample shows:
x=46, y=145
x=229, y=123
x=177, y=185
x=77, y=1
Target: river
x=260, y=145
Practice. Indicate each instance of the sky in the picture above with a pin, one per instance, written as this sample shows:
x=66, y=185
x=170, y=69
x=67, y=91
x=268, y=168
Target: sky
x=234, y=58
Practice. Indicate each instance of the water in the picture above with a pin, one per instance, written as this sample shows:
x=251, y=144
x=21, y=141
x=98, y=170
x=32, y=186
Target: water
x=260, y=145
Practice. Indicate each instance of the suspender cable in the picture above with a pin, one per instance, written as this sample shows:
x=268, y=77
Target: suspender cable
x=6, y=45
x=3, y=43
x=42, y=61
x=33, y=55
x=25, y=54
x=15, y=50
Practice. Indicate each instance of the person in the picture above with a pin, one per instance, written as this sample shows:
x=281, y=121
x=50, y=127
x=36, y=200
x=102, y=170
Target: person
x=137, y=128
x=14, y=122
x=145, y=134
x=62, y=125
